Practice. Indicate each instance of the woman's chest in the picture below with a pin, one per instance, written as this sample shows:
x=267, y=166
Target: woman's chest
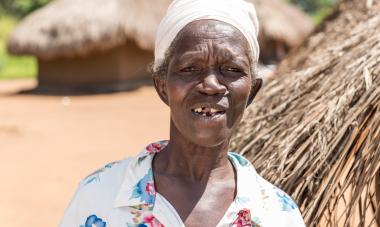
x=207, y=212
x=199, y=206
x=164, y=214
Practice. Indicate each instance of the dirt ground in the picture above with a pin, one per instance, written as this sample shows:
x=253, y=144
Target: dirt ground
x=49, y=143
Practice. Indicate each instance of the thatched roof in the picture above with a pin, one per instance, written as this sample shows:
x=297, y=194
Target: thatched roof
x=315, y=130
x=71, y=27
x=281, y=21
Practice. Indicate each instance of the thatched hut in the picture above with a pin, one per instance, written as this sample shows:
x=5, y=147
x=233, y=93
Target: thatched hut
x=315, y=129
x=282, y=27
x=108, y=44
x=89, y=44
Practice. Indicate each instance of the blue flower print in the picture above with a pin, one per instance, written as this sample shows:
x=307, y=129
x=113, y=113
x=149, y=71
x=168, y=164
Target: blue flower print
x=144, y=189
x=109, y=165
x=242, y=161
x=91, y=179
x=256, y=222
x=94, y=221
x=287, y=203
x=95, y=176
x=138, y=225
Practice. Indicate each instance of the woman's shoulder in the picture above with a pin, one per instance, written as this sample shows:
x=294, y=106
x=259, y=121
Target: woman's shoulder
x=266, y=197
x=276, y=196
x=95, y=193
x=267, y=189
x=105, y=180
x=104, y=172
x=279, y=205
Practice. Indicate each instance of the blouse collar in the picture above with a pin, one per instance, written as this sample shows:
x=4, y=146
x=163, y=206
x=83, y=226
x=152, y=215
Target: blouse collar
x=137, y=188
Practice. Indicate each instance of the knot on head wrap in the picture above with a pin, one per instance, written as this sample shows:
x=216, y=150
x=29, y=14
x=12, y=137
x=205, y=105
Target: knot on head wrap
x=238, y=13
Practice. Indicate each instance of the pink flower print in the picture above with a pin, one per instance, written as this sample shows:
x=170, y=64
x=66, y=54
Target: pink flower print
x=243, y=219
x=151, y=221
x=144, y=189
x=154, y=148
x=149, y=188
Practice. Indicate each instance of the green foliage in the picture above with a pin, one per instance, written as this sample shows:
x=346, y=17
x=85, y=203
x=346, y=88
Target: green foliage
x=12, y=67
x=313, y=6
x=20, y=8
x=318, y=9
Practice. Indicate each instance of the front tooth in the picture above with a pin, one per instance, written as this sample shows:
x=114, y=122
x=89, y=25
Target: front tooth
x=212, y=110
x=198, y=110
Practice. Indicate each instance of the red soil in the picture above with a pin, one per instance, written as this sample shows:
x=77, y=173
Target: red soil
x=49, y=143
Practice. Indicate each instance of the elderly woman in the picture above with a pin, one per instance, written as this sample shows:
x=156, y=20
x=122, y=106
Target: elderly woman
x=204, y=70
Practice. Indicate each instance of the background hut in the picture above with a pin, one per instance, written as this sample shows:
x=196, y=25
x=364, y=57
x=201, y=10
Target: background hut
x=315, y=129
x=282, y=27
x=89, y=44
x=95, y=44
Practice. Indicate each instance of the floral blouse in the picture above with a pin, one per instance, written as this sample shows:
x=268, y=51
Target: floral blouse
x=123, y=194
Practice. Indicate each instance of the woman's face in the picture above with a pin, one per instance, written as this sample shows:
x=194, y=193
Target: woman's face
x=208, y=82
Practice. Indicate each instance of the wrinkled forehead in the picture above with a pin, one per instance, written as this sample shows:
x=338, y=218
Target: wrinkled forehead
x=201, y=32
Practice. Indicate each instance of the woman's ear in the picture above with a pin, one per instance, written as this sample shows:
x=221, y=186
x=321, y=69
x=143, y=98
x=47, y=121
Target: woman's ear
x=160, y=85
x=256, y=85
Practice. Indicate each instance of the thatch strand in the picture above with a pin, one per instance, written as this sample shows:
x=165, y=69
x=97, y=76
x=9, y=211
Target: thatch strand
x=315, y=130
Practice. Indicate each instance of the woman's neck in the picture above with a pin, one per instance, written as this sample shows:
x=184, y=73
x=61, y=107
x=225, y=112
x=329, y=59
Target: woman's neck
x=185, y=159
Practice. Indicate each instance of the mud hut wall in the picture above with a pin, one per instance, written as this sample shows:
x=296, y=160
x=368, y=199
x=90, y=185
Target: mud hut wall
x=134, y=61
x=111, y=67
x=272, y=51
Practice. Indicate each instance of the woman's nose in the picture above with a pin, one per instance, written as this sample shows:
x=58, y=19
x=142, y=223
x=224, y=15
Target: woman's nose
x=211, y=85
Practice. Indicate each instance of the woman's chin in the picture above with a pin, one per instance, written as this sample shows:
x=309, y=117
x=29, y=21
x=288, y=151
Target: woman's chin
x=205, y=134
x=209, y=140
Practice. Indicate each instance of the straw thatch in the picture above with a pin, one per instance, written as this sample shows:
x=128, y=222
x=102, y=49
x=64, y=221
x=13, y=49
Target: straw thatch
x=70, y=28
x=315, y=130
x=281, y=21
x=76, y=28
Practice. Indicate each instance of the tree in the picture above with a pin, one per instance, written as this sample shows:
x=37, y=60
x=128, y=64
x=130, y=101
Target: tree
x=313, y=6
x=21, y=8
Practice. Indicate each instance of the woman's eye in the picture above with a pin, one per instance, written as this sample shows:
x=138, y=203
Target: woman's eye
x=232, y=69
x=190, y=69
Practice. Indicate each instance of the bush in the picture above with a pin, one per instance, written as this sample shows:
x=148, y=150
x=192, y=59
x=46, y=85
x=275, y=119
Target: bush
x=313, y=6
x=13, y=67
x=20, y=8
x=318, y=9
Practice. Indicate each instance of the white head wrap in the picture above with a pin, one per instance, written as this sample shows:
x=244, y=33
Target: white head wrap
x=238, y=13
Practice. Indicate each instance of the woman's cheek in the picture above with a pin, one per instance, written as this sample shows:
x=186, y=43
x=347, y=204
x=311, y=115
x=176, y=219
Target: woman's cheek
x=241, y=89
x=176, y=92
x=239, y=97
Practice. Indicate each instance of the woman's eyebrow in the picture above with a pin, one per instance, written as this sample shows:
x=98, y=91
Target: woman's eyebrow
x=193, y=55
x=243, y=61
x=236, y=59
x=223, y=55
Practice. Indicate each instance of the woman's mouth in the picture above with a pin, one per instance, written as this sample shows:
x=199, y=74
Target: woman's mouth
x=208, y=111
